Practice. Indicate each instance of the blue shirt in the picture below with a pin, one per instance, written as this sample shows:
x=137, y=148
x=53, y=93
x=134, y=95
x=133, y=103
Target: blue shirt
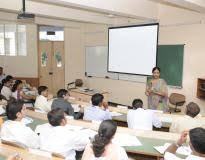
x=96, y=113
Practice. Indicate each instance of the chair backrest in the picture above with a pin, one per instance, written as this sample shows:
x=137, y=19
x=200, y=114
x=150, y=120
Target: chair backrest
x=78, y=82
x=14, y=144
x=176, y=98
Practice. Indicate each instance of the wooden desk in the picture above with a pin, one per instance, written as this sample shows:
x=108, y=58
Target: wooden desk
x=81, y=95
x=147, y=138
x=6, y=150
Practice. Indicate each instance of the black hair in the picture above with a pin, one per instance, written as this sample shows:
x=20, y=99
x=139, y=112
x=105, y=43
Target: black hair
x=13, y=107
x=16, y=84
x=55, y=116
x=192, y=109
x=4, y=81
x=97, y=99
x=155, y=68
x=61, y=93
x=9, y=77
x=2, y=97
x=106, y=131
x=41, y=89
x=1, y=67
x=137, y=103
x=197, y=139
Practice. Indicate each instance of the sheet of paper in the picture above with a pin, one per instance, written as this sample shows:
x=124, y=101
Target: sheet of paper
x=165, y=119
x=123, y=107
x=184, y=150
x=40, y=152
x=115, y=114
x=126, y=140
x=76, y=107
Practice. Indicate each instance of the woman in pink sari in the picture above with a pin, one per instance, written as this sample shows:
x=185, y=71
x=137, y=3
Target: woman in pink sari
x=156, y=91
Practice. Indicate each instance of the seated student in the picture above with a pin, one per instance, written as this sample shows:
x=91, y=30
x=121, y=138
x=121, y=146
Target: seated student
x=2, y=75
x=139, y=118
x=197, y=145
x=10, y=78
x=18, y=93
x=6, y=89
x=43, y=100
x=188, y=121
x=57, y=138
x=98, y=111
x=102, y=148
x=63, y=103
x=14, y=129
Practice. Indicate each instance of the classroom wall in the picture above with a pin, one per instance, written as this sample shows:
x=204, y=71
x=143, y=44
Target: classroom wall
x=178, y=26
x=185, y=27
x=23, y=66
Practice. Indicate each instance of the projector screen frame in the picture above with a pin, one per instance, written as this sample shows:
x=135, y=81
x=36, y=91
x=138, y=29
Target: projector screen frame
x=138, y=25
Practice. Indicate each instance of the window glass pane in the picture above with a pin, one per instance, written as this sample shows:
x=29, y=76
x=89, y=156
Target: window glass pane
x=49, y=33
x=2, y=52
x=21, y=40
x=10, y=40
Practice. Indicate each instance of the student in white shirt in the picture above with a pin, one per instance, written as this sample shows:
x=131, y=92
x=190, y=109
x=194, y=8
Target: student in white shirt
x=197, y=145
x=6, y=89
x=142, y=119
x=57, y=138
x=99, y=109
x=102, y=148
x=14, y=129
x=188, y=121
x=43, y=100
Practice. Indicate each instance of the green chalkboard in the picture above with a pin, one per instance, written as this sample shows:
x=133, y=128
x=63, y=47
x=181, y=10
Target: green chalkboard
x=170, y=61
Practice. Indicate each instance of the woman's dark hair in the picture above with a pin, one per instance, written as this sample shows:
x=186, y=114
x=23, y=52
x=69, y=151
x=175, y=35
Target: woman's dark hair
x=197, y=139
x=97, y=99
x=155, y=68
x=61, y=93
x=41, y=89
x=13, y=108
x=55, y=116
x=16, y=84
x=106, y=131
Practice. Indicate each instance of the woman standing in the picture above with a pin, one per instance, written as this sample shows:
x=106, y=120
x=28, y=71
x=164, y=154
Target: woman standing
x=156, y=90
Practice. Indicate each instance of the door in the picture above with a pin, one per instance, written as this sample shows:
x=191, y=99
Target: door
x=51, y=65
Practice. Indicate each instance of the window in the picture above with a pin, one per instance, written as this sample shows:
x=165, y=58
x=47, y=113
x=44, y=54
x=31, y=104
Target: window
x=51, y=33
x=13, y=40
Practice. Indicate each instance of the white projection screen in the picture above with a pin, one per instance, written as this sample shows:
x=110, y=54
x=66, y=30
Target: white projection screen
x=133, y=49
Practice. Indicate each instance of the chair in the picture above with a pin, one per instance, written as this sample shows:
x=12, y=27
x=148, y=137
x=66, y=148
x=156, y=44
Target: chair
x=177, y=100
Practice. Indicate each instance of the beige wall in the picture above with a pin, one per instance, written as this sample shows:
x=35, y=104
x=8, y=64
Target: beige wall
x=178, y=27
x=23, y=66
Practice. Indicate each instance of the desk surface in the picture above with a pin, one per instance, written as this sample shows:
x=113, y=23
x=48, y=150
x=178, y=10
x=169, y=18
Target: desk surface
x=6, y=150
x=87, y=92
x=147, y=138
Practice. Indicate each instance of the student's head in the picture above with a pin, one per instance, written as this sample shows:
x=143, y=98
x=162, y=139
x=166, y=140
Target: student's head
x=156, y=72
x=63, y=93
x=43, y=90
x=10, y=78
x=197, y=140
x=1, y=70
x=15, y=110
x=192, y=109
x=106, y=131
x=18, y=85
x=97, y=99
x=56, y=117
x=6, y=82
x=137, y=103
